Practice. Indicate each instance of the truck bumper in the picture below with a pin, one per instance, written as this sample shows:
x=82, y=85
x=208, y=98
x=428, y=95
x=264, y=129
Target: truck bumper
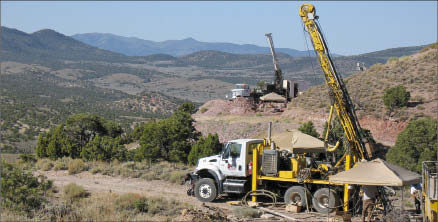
x=190, y=179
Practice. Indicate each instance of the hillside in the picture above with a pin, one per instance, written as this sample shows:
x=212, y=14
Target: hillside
x=417, y=73
x=70, y=59
x=150, y=102
x=132, y=46
x=34, y=99
x=49, y=44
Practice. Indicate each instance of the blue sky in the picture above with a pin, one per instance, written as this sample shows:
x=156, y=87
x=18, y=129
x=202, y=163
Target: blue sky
x=350, y=27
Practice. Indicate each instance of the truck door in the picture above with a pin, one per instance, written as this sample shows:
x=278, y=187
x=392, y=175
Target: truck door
x=233, y=162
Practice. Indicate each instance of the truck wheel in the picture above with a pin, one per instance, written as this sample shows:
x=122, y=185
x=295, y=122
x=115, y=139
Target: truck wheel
x=295, y=194
x=325, y=200
x=205, y=190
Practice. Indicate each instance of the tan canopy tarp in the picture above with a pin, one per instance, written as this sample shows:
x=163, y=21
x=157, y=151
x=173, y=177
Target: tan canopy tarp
x=377, y=172
x=273, y=97
x=298, y=142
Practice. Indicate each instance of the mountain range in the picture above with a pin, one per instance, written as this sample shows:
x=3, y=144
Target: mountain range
x=133, y=46
x=50, y=44
x=71, y=59
x=46, y=76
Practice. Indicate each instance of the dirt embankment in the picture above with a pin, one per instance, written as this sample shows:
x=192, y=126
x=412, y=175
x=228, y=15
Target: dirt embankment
x=383, y=131
x=235, y=119
x=239, y=106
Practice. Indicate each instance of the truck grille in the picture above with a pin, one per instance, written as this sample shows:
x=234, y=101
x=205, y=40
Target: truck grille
x=270, y=163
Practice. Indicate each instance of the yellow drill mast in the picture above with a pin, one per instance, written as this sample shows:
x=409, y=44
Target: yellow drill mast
x=355, y=143
x=338, y=92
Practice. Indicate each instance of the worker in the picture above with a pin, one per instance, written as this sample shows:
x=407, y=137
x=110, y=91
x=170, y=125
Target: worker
x=415, y=193
x=369, y=196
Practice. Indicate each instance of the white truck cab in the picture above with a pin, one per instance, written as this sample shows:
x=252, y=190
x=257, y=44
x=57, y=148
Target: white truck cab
x=241, y=90
x=228, y=172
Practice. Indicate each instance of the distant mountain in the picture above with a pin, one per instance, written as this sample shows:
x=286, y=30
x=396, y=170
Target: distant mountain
x=73, y=59
x=138, y=47
x=49, y=44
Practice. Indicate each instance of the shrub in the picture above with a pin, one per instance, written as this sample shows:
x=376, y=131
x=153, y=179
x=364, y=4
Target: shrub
x=203, y=110
x=44, y=164
x=336, y=131
x=130, y=201
x=177, y=177
x=309, y=129
x=163, y=207
x=60, y=166
x=27, y=158
x=169, y=139
x=104, y=148
x=416, y=143
x=73, y=192
x=261, y=84
x=392, y=59
x=205, y=146
x=20, y=190
x=69, y=138
x=76, y=166
x=431, y=46
x=141, y=205
x=396, y=97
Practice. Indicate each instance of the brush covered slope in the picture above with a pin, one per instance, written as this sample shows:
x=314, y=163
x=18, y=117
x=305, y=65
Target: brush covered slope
x=150, y=102
x=418, y=73
x=34, y=99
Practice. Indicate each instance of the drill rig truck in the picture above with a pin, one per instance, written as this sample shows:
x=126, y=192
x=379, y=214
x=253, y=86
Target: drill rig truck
x=297, y=175
x=282, y=87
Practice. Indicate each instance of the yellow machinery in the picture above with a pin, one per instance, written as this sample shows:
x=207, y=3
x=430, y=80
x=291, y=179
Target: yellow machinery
x=430, y=191
x=338, y=94
x=356, y=146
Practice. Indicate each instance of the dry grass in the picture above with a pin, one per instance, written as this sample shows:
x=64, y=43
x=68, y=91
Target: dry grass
x=172, y=172
x=77, y=166
x=62, y=164
x=44, y=164
x=74, y=192
x=105, y=207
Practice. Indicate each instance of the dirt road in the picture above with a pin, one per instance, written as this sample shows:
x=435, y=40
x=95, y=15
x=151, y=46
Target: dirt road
x=98, y=183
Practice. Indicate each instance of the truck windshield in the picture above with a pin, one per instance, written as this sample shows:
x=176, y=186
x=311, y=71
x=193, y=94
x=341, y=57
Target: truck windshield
x=235, y=149
x=242, y=87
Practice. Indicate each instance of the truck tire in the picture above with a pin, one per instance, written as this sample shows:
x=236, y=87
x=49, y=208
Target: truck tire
x=295, y=194
x=205, y=190
x=325, y=200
